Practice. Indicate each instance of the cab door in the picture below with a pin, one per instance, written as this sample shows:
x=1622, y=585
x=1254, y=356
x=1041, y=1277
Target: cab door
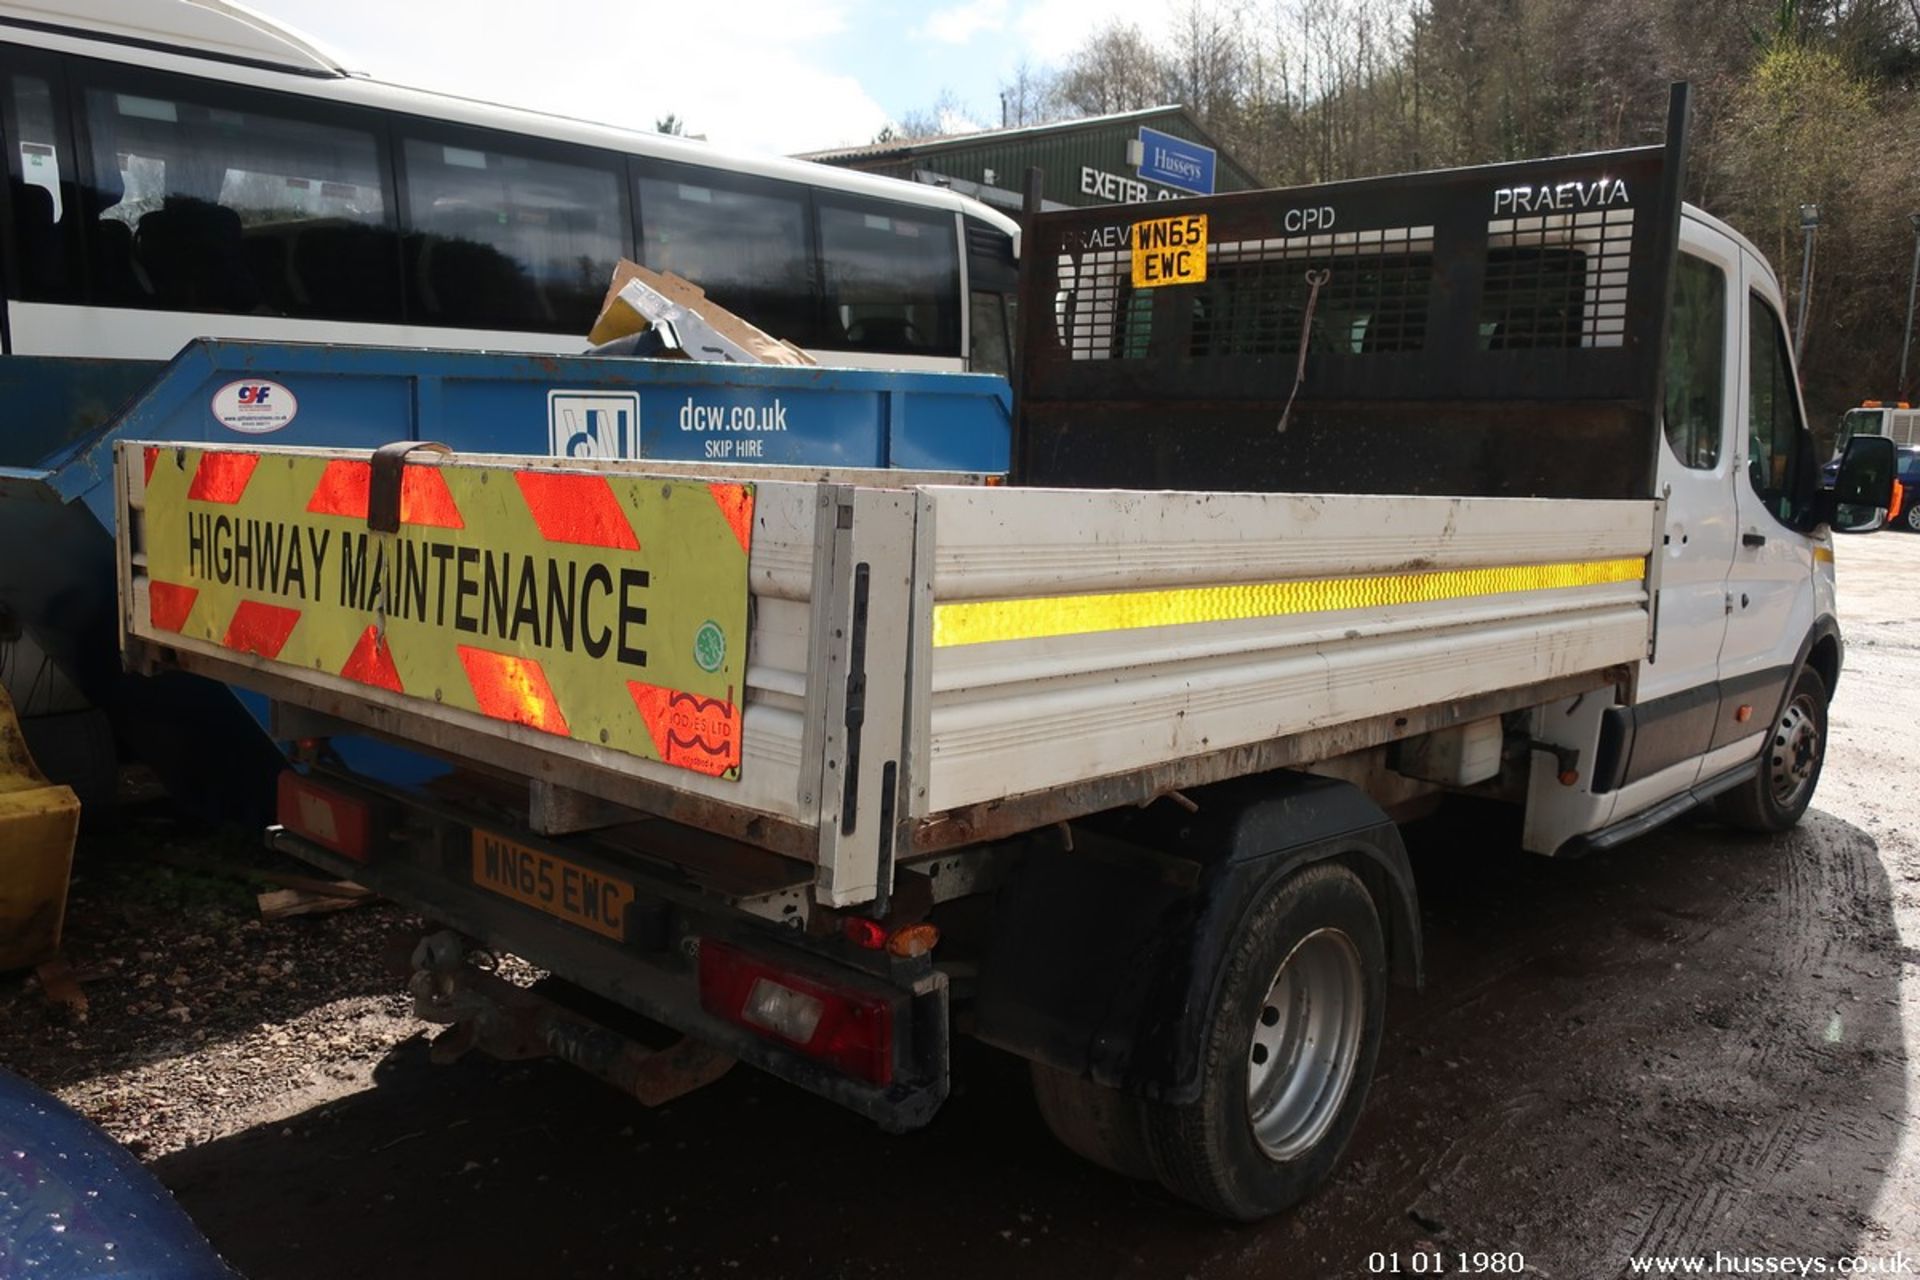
x=1677, y=696
x=1770, y=598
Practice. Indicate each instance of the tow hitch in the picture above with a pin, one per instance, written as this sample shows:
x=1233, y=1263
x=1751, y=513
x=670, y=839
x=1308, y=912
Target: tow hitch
x=486, y=1012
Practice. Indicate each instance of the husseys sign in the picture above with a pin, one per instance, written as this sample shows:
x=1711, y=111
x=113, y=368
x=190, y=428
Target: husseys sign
x=611, y=609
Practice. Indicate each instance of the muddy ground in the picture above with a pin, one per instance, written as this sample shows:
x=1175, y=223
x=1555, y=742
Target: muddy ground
x=1701, y=1042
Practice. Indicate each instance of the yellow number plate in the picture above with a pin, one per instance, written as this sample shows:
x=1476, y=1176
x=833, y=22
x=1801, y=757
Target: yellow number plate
x=1170, y=251
x=562, y=889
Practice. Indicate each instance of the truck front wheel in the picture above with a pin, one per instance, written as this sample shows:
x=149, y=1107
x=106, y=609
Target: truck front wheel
x=1289, y=1050
x=1789, y=763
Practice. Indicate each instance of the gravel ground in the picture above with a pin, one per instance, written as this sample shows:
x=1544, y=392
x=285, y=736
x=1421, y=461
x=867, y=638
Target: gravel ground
x=202, y=1020
x=1697, y=1042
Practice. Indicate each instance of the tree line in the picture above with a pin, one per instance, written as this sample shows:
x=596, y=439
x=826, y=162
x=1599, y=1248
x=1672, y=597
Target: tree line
x=1795, y=102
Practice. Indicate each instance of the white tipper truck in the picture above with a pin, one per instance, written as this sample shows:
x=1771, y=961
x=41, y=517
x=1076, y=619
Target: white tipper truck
x=1324, y=504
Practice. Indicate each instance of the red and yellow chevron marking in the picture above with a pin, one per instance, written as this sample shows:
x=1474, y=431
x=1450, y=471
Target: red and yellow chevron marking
x=424, y=499
x=260, y=628
x=736, y=504
x=579, y=508
x=702, y=734
x=169, y=603
x=371, y=662
x=222, y=477
x=515, y=689
x=602, y=607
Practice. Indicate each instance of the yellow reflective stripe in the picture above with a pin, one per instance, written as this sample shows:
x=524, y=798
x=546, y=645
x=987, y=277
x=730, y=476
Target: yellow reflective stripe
x=987, y=621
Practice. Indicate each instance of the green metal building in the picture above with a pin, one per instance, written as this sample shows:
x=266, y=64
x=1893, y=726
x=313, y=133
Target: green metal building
x=1154, y=154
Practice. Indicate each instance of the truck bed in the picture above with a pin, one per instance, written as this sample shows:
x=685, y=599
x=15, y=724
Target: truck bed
x=929, y=664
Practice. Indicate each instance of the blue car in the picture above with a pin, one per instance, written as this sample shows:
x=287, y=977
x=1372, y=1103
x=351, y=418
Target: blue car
x=1908, y=473
x=75, y=1205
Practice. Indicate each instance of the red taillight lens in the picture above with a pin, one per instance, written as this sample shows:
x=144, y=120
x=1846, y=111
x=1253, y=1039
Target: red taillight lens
x=870, y=935
x=330, y=819
x=852, y=1031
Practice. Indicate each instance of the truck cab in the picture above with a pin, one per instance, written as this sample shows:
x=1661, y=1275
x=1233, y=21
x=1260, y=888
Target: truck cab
x=1745, y=597
x=1897, y=420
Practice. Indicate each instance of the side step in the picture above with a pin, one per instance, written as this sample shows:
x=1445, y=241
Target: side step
x=1666, y=811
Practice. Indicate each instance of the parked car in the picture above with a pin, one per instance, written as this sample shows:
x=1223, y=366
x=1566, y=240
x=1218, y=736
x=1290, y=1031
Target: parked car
x=75, y=1205
x=1908, y=515
x=1905, y=512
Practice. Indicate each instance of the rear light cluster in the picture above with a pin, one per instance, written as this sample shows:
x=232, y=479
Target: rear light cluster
x=850, y=1030
x=328, y=818
x=907, y=942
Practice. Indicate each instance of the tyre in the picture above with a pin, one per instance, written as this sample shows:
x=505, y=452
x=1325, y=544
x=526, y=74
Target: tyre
x=1094, y=1122
x=1789, y=763
x=1910, y=518
x=1289, y=1051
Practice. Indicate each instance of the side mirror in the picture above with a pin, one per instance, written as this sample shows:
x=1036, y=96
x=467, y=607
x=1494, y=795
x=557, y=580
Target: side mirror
x=1863, y=489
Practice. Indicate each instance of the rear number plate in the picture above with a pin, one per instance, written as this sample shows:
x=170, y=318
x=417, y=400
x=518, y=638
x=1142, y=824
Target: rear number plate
x=564, y=890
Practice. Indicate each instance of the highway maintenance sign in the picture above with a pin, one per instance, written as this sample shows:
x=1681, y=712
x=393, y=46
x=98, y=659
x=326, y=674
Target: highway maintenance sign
x=606, y=608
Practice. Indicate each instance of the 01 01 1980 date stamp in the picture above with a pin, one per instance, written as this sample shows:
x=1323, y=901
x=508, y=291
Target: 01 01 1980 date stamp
x=1458, y=1262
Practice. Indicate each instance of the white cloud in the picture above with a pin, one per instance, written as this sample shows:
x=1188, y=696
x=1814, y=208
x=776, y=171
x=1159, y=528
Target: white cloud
x=755, y=79
x=957, y=24
x=955, y=120
x=1050, y=30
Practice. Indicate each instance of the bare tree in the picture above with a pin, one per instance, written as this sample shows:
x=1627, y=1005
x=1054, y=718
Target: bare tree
x=1029, y=96
x=1118, y=69
x=1797, y=101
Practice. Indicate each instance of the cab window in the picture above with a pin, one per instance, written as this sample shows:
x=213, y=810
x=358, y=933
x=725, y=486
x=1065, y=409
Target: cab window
x=1696, y=363
x=1773, y=414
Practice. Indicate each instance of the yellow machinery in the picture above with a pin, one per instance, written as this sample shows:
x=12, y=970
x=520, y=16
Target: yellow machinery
x=38, y=821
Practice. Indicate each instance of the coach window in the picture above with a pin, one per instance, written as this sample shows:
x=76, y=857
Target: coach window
x=40, y=190
x=1773, y=415
x=205, y=200
x=1696, y=362
x=892, y=278
x=742, y=241
x=500, y=240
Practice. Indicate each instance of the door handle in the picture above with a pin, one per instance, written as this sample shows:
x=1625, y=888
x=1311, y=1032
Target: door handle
x=1753, y=539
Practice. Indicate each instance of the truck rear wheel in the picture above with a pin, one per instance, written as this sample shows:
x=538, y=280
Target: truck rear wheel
x=1789, y=763
x=1289, y=1050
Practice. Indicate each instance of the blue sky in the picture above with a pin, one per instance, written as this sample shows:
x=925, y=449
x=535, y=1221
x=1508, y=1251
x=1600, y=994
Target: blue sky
x=776, y=75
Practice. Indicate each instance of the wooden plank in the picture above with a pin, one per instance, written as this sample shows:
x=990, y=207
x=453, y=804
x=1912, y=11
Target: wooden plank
x=282, y=904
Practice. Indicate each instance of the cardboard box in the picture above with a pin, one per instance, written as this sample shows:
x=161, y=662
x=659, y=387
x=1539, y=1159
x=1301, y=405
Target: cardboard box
x=639, y=299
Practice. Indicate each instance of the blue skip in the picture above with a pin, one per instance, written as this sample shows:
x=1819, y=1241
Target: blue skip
x=57, y=508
